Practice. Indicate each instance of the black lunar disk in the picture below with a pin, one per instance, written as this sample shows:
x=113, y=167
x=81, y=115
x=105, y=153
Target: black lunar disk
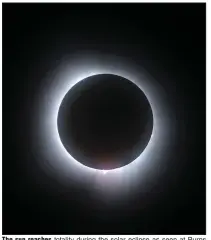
x=105, y=121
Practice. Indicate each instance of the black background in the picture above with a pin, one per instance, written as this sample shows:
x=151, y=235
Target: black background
x=168, y=40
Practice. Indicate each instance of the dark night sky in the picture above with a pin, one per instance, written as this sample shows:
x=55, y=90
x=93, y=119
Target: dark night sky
x=168, y=40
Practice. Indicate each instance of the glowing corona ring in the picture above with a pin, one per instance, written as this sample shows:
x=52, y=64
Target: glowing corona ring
x=57, y=160
x=101, y=170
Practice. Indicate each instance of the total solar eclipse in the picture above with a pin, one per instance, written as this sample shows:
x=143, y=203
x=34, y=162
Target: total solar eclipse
x=104, y=118
x=105, y=121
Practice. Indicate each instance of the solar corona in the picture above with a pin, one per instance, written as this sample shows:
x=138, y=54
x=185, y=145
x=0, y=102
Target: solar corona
x=68, y=75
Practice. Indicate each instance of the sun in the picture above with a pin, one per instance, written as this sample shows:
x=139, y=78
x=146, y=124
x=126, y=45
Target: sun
x=71, y=71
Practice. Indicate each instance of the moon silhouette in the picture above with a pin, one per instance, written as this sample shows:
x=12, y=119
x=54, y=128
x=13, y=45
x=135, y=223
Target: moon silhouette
x=105, y=121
